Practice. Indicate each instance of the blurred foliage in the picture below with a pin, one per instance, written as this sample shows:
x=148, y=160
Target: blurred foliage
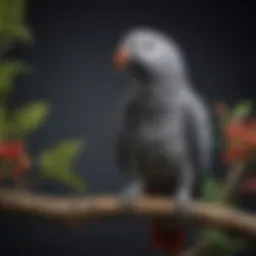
x=30, y=117
x=17, y=124
x=238, y=131
x=222, y=244
x=13, y=25
x=233, y=129
x=242, y=110
x=212, y=190
x=8, y=72
x=57, y=163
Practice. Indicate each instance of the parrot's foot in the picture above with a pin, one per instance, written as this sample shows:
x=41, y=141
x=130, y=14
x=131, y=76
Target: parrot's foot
x=130, y=194
x=183, y=203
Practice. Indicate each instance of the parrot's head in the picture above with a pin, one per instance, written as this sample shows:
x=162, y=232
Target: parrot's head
x=146, y=53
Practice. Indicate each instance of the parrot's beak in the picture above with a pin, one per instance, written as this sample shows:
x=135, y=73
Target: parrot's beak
x=121, y=58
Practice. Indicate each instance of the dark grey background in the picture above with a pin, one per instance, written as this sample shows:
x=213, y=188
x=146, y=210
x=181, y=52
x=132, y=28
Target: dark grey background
x=71, y=58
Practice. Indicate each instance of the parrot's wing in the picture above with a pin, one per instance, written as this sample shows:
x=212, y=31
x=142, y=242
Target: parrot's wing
x=198, y=136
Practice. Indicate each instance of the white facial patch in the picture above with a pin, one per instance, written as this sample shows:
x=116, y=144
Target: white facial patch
x=155, y=49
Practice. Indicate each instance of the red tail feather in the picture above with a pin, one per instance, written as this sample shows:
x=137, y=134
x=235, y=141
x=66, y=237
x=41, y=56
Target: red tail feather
x=173, y=242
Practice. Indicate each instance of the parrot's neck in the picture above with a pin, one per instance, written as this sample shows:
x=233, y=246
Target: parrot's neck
x=162, y=92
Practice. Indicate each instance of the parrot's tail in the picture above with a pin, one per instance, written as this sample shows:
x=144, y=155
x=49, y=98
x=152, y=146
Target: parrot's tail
x=171, y=241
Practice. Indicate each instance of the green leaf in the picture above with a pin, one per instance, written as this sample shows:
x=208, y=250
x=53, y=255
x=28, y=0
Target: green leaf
x=29, y=117
x=17, y=11
x=8, y=71
x=61, y=156
x=20, y=33
x=72, y=180
x=12, y=21
x=242, y=110
x=76, y=182
x=222, y=243
x=67, y=150
x=212, y=190
x=56, y=164
x=3, y=13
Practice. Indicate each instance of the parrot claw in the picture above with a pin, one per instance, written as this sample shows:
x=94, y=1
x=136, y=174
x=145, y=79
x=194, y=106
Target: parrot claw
x=130, y=194
x=182, y=202
x=126, y=202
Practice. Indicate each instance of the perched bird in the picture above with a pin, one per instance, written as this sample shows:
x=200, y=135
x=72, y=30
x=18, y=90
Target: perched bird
x=164, y=136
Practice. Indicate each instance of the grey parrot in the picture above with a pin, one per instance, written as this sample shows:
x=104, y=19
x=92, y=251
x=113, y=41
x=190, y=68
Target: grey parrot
x=164, y=136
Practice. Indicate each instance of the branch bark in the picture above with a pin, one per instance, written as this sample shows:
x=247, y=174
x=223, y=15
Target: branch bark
x=86, y=208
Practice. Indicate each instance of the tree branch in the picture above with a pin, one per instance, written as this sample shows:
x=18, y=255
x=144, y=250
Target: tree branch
x=82, y=209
